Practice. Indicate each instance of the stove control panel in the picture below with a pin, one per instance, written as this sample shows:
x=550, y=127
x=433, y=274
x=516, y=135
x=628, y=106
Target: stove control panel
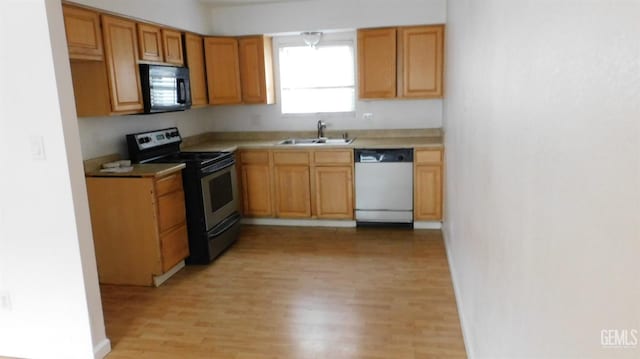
x=147, y=140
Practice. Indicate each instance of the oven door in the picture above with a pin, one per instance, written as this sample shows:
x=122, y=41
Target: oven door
x=220, y=195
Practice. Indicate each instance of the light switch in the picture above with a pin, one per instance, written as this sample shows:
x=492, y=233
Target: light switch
x=5, y=300
x=36, y=144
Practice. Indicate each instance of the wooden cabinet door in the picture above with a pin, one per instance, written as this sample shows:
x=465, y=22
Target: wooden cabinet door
x=256, y=190
x=150, y=43
x=195, y=62
x=121, y=53
x=377, y=63
x=172, y=41
x=84, y=36
x=293, y=193
x=256, y=69
x=171, y=210
x=420, y=50
x=334, y=192
x=223, y=70
x=428, y=192
x=174, y=247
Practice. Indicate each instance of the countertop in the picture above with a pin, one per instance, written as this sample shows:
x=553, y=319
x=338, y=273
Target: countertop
x=365, y=142
x=142, y=170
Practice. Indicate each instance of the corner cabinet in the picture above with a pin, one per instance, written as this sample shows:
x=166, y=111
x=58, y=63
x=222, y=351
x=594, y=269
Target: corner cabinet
x=223, y=70
x=427, y=184
x=194, y=53
x=402, y=62
x=256, y=70
x=121, y=50
x=139, y=227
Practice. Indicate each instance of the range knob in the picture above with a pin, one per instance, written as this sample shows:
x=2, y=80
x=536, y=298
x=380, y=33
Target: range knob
x=168, y=135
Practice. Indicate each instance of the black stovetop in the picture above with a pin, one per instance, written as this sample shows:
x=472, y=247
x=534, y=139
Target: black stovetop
x=200, y=159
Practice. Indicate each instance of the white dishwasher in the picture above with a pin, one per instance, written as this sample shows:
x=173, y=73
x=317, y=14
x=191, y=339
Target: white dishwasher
x=384, y=186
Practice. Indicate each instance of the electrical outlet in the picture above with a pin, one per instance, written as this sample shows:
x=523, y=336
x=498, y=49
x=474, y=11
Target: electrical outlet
x=5, y=300
x=367, y=116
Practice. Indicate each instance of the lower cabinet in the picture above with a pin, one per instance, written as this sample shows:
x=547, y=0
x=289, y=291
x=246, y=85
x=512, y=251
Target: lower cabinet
x=333, y=183
x=292, y=184
x=139, y=227
x=256, y=183
x=297, y=183
x=427, y=184
x=334, y=192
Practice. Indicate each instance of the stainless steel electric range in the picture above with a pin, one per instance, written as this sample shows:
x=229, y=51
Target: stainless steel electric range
x=210, y=187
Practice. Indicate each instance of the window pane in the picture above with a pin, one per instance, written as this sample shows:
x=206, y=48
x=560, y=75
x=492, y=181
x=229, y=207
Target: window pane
x=302, y=67
x=318, y=100
x=320, y=79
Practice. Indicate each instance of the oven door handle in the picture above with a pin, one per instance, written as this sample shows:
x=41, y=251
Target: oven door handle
x=218, y=166
x=225, y=224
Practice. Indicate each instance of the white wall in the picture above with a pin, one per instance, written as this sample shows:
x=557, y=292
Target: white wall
x=543, y=174
x=184, y=14
x=391, y=114
x=295, y=17
x=105, y=135
x=47, y=265
x=324, y=15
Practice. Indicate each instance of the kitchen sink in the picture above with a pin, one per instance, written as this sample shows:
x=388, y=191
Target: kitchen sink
x=316, y=141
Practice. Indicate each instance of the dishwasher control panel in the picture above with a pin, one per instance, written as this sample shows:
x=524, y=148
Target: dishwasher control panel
x=384, y=155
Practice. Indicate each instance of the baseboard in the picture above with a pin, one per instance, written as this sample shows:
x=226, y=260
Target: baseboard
x=456, y=289
x=102, y=349
x=159, y=279
x=299, y=222
x=427, y=225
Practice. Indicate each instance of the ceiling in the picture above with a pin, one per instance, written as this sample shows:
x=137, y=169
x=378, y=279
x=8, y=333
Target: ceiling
x=244, y=2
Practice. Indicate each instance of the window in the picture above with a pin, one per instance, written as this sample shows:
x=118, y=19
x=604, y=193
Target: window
x=320, y=79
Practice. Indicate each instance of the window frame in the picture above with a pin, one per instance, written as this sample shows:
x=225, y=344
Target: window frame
x=328, y=39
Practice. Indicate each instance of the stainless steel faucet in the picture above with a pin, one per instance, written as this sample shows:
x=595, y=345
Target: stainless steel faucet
x=321, y=127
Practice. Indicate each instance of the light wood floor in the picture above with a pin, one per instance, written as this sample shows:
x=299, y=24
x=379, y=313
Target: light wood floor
x=284, y=292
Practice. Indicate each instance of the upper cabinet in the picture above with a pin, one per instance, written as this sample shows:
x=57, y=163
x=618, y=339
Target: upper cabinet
x=160, y=45
x=121, y=51
x=239, y=70
x=256, y=70
x=404, y=62
x=223, y=70
x=420, y=49
x=84, y=36
x=377, y=63
x=194, y=53
x=172, y=41
x=150, y=42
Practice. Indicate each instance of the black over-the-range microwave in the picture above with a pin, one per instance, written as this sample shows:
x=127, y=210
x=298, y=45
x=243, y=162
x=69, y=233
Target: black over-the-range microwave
x=165, y=88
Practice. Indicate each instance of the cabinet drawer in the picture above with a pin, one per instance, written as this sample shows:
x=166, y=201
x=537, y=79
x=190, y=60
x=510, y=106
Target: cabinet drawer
x=174, y=247
x=333, y=157
x=171, y=210
x=291, y=158
x=169, y=184
x=254, y=157
x=428, y=156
